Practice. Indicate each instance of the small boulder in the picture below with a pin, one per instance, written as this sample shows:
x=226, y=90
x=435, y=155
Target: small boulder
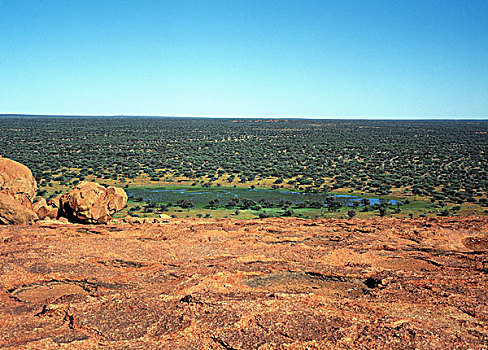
x=44, y=210
x=63, y=220
x=55, y=202
x=12, y=212
x=92, y=203
x=17, y=180
x=133, y=220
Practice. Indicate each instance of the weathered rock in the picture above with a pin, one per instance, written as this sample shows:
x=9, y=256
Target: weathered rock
x=146, y=220
x=12, y=212
x=92, y=203
x=63, y=220
x=55, y=202
x=17, y=180
x=281, y=283
x=17, y=190
x=44, y=210
x=134, y=220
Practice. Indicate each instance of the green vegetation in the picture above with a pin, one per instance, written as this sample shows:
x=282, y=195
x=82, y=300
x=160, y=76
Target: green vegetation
x=439, y=166
x=241, y=202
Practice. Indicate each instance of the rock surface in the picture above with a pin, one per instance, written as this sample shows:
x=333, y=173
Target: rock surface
x=44, y=210
x=17, y=190
x=55, y=202
x=13, y=212
x=92, y=203
x=17, y=180
x=258, y=284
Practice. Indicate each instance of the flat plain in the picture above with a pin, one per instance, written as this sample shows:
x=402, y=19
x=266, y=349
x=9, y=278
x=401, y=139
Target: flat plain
x=433, y=167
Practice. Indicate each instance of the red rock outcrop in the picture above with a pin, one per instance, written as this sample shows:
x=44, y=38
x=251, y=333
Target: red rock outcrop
x=259, y=284
x=92, y=203
x=88, y=202
x=55, y=202
x=17, y=190
x=44, y=210
x=17, y=180
x=13, y=212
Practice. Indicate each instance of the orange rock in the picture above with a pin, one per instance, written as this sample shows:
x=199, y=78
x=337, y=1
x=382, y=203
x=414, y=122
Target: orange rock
x=246, y=284
x=133, y=220
x=63, y=220
x=17, y=180
x=12, y=212
x=43, y=210
x=17, y=188
x=92, y=203
x=55, y=202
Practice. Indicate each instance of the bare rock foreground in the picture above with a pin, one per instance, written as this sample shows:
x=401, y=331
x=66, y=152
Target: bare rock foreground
x=258, y=284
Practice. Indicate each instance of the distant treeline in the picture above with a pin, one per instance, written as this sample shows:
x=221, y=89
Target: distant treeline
x=443, y=160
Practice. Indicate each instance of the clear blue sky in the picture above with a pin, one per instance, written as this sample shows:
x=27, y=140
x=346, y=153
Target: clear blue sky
x=268, y=58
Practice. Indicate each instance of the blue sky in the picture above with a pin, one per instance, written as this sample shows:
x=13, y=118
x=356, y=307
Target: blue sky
x=263, y=58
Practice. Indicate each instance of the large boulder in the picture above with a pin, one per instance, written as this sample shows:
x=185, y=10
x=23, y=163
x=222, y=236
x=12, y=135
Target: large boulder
x=17, y=190
x=92, y=203
x=17, y=180
x=12, y=212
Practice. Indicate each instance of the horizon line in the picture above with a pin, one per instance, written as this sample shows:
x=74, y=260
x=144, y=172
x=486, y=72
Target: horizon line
x=244, y=117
